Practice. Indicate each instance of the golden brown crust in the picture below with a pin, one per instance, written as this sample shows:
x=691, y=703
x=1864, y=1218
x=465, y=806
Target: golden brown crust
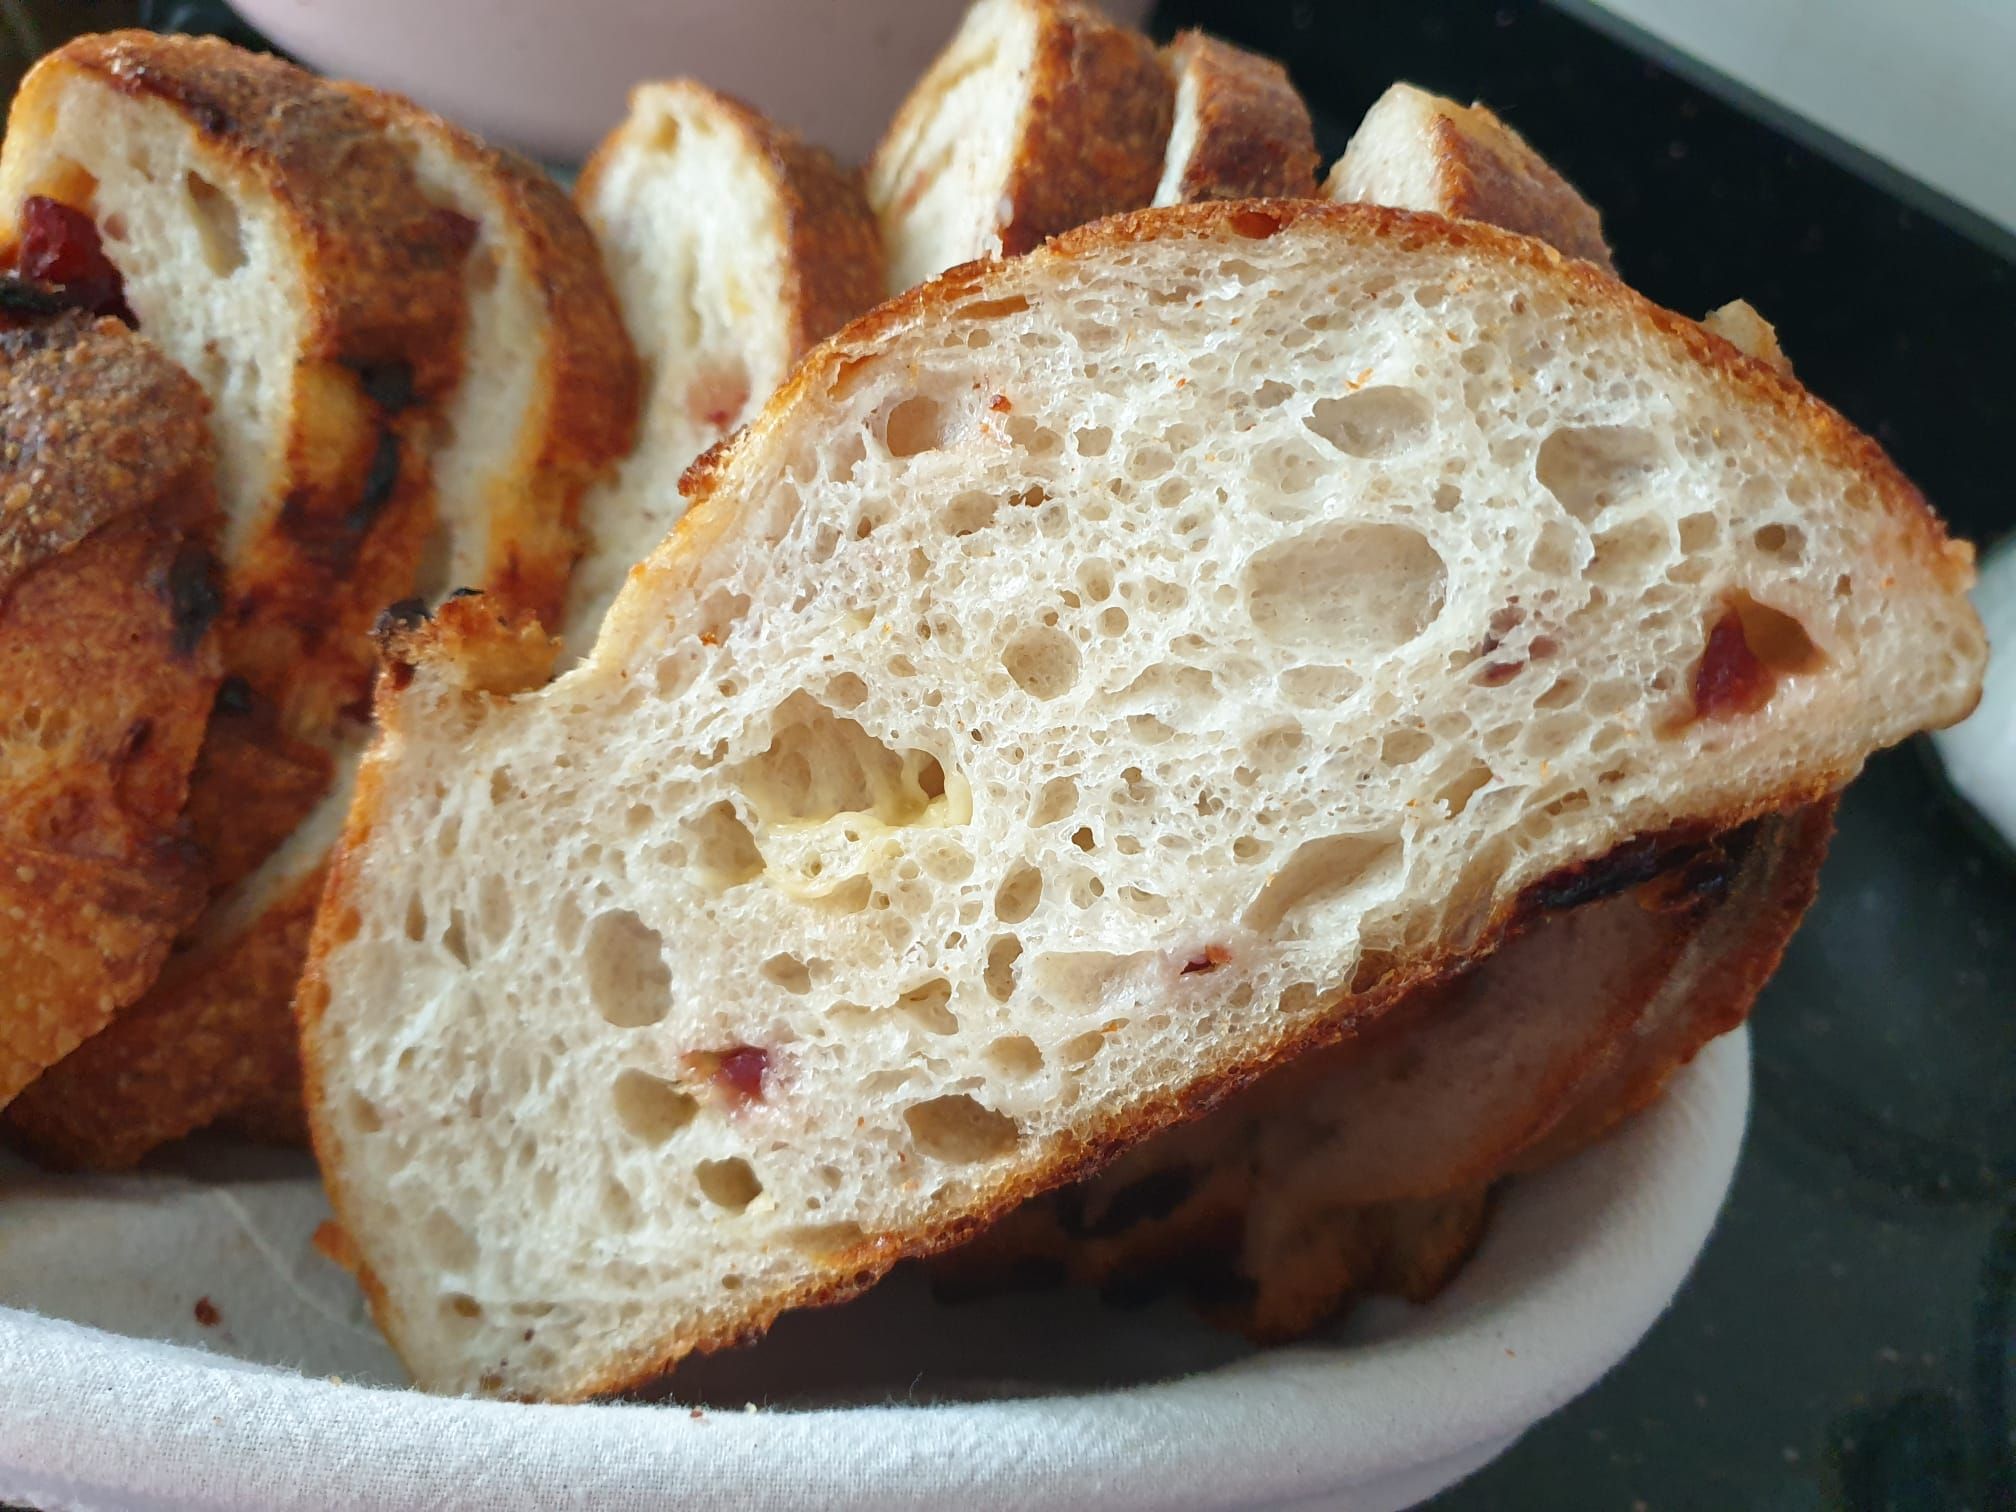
x=383, y=311
x=715, y=510
x=95, y=425
x=385, y=279
x=588, y=385
x=1254, y=138
x=1737, y=956
x=1753, y=382
x=1487, y=172
x=181, y=1057
x=1092, y=131
x=107, y=671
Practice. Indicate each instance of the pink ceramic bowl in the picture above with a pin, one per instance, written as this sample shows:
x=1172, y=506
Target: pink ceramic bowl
x=550, y=76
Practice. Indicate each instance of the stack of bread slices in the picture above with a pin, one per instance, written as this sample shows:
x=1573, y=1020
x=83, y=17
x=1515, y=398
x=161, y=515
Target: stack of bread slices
x=1227, y=717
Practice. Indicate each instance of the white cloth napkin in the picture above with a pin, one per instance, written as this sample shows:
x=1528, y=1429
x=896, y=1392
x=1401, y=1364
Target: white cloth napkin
x=1980, y=751
x=115, y=1394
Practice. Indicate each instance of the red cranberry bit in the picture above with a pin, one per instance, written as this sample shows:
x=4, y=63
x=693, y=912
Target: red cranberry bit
x=1211, y=959
x=740, y=1073
x=60, y=245
x=207, y=1314
x=1730, y=679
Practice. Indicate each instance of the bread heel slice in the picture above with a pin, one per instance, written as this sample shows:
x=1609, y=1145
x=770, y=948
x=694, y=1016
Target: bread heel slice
x=1419, y=151
x=1239, y=129
x=108, y=666
x=1040, y=115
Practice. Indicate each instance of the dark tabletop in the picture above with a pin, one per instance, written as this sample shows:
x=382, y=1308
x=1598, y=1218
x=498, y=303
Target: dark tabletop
x=1846, y=1341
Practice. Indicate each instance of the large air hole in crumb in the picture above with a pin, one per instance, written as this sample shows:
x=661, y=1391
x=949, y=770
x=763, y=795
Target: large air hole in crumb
x=1405, y=747
x=218, y=234
x=1630, y=551
x=730, y=1183
x=1080, y=1048
x=1337, y=872
x=1019, y=893
x=1057, y=800
x=1780, y=540
x=819, y=766
x=455, y=938
x=929, y=1007
x=788, y=972
x=628, y=980
x=723, y=848
x=1590, y=468
x=651, y=1108
x=1015, y=1055
x=1374, y=422
x=970, y=513
x=825, y=1241
x=999, y=977
x=960, y=1131
x=1457, y=789
x=1346, y=587
x=913, y=426
x=1044, y=662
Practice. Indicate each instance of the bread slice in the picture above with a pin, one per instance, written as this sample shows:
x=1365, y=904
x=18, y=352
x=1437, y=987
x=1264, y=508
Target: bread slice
x=107, y=671
x=1710, y=989
x=1275, y=1209
x=1239, y=129
x=1363, y=1167
x=1419, y=151
x=1096, y=677
x=734, y=246
x=1039, y=115
x=1739, y=324
x=271, y=240
x=548, y=406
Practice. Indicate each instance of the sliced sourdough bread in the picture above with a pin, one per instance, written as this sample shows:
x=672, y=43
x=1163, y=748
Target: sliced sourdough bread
x=546, y=407
x=1319, y=1181
x=1239, y=129
x=1419, y=151
x=107, y=671
x=734, y=246
x=270, y=239
x=1039, y=116
x=1069, y=698
x=1282, y=1191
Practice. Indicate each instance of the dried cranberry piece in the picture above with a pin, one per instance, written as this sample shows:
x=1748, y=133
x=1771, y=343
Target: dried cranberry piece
x=741, y=1071
x=1730, y=679
x=60, y=245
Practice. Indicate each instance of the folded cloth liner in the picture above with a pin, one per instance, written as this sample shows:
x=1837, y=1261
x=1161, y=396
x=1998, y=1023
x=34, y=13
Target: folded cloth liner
x=1980, y=752
x=1035, y=1401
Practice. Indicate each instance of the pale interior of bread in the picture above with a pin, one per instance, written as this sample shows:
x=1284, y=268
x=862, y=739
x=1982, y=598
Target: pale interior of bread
x=1182, y=133
x=1085, y=689
x=1385, y=163
x=209, y=265
x=687, y=213
x=937, y=183
x=485, y=427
